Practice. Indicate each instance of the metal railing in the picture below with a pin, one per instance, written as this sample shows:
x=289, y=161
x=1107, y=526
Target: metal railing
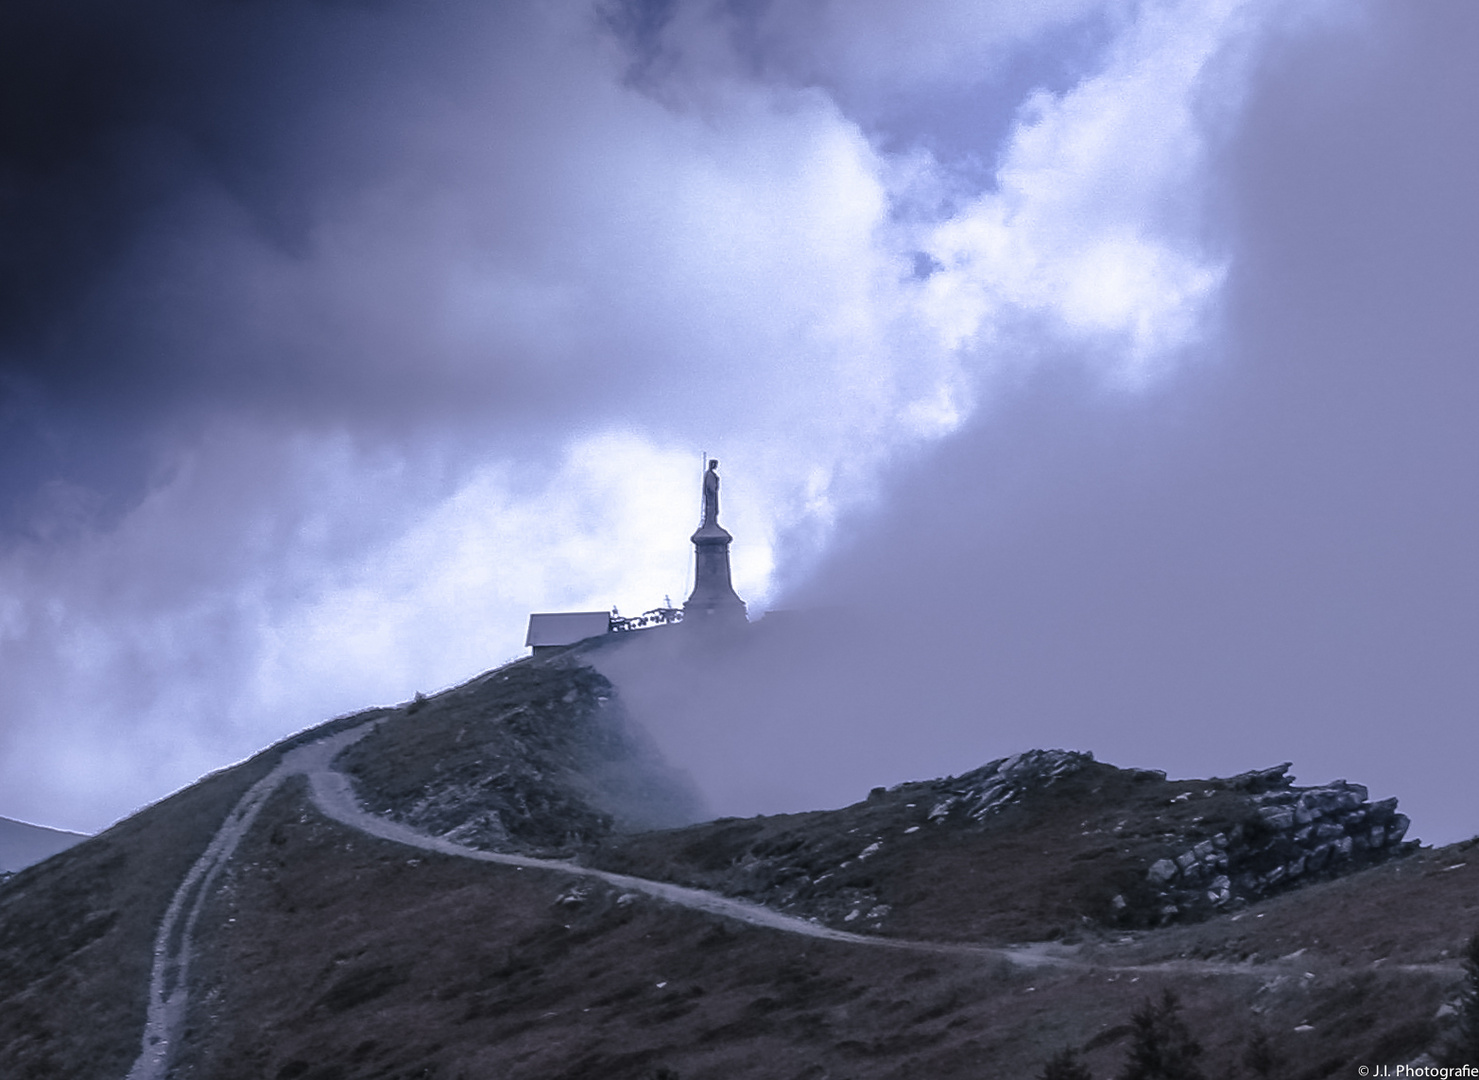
x=661, y=616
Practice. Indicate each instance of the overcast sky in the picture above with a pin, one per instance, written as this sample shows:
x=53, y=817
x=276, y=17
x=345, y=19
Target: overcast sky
x=1114, y=363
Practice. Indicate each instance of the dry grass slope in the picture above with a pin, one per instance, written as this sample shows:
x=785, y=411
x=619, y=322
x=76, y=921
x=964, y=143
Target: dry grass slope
x=325, y=954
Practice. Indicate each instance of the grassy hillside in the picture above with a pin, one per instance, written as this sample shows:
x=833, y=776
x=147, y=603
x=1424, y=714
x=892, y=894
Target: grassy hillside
x=1005, y=913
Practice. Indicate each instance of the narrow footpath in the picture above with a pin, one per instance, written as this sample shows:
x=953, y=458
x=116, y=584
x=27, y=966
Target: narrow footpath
x=333, y=794
x=169, y=974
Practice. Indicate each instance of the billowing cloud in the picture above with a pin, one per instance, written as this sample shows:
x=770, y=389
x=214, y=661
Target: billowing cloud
x=335, y=338
x=1263, y=555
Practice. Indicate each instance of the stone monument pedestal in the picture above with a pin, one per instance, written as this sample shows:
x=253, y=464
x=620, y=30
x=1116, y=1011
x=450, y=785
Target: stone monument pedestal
x=713, y=601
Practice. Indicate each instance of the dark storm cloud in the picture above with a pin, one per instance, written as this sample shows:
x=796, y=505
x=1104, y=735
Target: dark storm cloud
x=252, y=209
x=113, y=115
x=118, y=121
x=295, y=210
x=313, y=305
x=334, y=337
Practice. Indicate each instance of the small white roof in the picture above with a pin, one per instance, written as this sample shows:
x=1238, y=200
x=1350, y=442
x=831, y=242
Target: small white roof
x=567, y=627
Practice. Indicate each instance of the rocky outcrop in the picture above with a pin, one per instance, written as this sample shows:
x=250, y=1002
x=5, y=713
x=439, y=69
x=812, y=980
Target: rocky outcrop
x=537, y=757
x=1288, y=835
x=982, y=792
x=540, y=758
x=1051, y=843
x=836, y=867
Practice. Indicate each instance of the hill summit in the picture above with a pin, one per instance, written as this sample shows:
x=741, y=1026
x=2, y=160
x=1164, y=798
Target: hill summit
x=506, y=879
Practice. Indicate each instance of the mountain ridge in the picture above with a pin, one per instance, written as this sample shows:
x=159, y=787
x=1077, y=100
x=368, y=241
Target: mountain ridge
x=325, y=949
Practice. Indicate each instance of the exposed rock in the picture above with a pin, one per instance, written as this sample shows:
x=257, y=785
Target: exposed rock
x=1293, y=835
x=537, y=757
x=1261, y=780
x=1161, y=871
x=541, y=759
x=998, y=784
x=1277, y=817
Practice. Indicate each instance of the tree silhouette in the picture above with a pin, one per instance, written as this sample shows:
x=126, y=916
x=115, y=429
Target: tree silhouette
x=1064, y=1065
x=1161, y=1047
x=1462, y=1046
x=1260, y=1056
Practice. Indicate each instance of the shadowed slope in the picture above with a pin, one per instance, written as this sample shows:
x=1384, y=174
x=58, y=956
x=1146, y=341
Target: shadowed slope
x=538, y=756
x=325, y=953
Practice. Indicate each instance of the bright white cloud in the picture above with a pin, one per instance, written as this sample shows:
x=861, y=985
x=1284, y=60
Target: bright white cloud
x=1087, y=225
x=126, y=646
x=725, y=266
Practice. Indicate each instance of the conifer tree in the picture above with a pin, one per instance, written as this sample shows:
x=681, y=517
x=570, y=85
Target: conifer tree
x=1462, y=1047
x=1260, y=1056
x=1065, y=1065
x=1161, y=1047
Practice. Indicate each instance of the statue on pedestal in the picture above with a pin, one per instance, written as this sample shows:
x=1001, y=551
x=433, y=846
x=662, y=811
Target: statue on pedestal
x=713, y=599
x=711, y=494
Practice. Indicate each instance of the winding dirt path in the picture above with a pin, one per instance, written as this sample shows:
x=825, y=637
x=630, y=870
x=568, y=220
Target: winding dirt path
x=333, y=794
x=169, y=973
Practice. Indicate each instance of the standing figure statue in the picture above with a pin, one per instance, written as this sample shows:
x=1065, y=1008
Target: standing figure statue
x=713, y=601
x=711, y=494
